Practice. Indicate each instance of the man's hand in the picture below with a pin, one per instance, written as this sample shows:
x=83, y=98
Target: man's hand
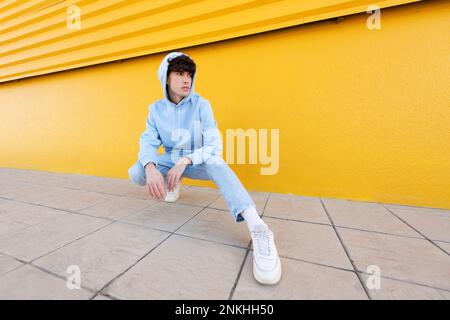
x=155, y=182
x=174, y=174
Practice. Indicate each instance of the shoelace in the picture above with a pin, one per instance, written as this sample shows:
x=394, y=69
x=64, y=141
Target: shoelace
x=263, y=242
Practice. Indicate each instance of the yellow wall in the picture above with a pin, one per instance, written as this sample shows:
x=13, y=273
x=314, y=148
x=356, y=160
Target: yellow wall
x=362, y=114
x=44, y=36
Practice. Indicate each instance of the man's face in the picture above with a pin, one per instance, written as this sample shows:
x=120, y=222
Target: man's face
x=179, y=83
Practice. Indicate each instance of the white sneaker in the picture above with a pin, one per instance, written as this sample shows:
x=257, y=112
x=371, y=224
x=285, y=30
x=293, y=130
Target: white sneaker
x=266, y=262
x=172, y=196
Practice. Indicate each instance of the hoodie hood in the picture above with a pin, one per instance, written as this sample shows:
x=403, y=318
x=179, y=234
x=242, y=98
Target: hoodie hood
x=162, y=75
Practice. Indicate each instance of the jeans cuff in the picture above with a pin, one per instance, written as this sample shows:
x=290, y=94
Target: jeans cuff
x=237, y=213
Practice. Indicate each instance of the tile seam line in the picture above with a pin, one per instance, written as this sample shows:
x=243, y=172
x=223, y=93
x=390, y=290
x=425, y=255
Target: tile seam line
x=219, y=243
x=238, y=276
x=49, y=201
x=406, y=281
x=143, y=257
x=201, y=209
x=229, y=245
x=193, y=237
x=187, y=187
x=123, y=221
x=351, y=228
x=79, y=210
x=215, y=242
x=69, y=243
x=425, y=237
x=57, y=209
x=52, y=174
x=50, y=273
x=345, y=250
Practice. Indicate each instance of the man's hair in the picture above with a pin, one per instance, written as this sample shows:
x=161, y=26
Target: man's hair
x=182, y=63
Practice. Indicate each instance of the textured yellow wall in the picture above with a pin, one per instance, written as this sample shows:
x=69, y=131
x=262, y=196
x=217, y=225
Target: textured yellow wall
x=362, y=114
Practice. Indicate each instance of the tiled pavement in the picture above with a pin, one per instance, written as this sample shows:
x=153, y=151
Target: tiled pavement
x=128, y=246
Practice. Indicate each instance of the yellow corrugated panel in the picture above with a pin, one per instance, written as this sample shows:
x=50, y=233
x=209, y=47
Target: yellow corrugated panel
x=35, y=38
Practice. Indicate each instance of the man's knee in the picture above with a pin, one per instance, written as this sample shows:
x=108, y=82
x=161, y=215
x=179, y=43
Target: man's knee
x=137, y=174
x=215, y=160
x=215, y=165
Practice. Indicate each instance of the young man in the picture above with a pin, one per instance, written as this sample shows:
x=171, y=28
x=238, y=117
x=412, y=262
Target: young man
x=183, y=122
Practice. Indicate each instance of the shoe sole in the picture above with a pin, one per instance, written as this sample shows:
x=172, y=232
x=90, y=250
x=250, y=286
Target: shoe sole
x=174, y=199
x=171, y=200
x=263, y=278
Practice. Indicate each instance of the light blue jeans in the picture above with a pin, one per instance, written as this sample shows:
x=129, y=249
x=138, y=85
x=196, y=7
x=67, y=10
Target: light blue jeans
x=215, y=169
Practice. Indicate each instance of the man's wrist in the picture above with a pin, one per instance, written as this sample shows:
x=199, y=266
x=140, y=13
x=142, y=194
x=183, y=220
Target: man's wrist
x=150, y=166
x=185, y=160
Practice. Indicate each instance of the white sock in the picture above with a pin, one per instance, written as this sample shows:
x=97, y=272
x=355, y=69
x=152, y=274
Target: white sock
x=252, y=218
